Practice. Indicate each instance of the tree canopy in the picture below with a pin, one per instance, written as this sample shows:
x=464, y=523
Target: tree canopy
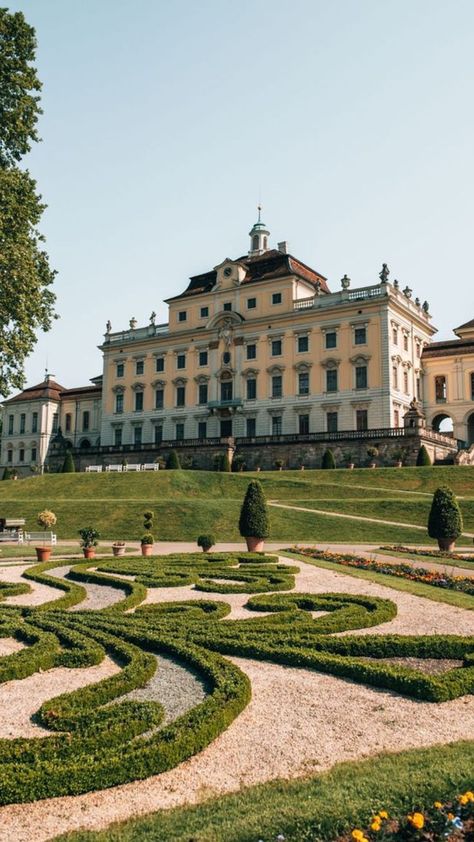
x=26, y=300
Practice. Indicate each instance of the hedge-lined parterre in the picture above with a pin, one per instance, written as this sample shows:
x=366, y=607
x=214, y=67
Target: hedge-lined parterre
x=100, y=739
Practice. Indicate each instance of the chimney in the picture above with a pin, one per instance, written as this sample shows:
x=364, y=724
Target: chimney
x=283, y=247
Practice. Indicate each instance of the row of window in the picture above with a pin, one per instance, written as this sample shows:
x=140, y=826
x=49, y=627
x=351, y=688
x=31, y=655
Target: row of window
x=226, y=389
x=226, y=427
x=360, y=338
x=251, y=304
x=21, y=455
x=55, y=423
x=22, y=430
x=406, y=382
x=405, y=341
x=441, y=387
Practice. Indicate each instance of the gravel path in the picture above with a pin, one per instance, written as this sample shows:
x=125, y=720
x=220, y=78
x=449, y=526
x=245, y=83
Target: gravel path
x=175, y=686
x=38, y=593
x=98, y=596
x=8, y=645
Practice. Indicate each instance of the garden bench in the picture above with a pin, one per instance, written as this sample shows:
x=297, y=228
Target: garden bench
x=132, y=467
x=94, y=469
x=11, y=537
x=150, y=466
x=41, y=537
x=110, y=469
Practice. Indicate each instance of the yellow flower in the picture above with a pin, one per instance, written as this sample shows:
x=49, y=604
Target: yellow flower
x=357, y=834
x=383, y=814
x=463, y=799
x=450, y=816
x=417, y=820
x=438, y=805
x=469, y=795
x=375, y=826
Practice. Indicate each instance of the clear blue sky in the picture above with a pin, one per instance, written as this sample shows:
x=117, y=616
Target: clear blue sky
x=164, y=122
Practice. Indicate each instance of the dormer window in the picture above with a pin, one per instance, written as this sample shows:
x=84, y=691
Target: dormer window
x=182, y=316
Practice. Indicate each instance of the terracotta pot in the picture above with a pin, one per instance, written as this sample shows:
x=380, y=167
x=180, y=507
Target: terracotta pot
x=255, y=545
x=118, y=550
x=398, y=464
x=350, y=466
x=43, y=553
x=89, y=552
x=446, y=545
x=147, y=549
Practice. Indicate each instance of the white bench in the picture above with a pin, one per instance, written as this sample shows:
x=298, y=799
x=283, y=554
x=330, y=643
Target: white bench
x=41, y=537
x=94, y=469
x=11, y=537
x=132, y=467
x=150, y=466
x=112, y=469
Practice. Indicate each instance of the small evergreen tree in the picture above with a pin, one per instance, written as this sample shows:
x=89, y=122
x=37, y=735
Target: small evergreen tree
x=172, y=462
x=222, y=462
x=445, y=518
x=328, y=460
x=7, y=473
x=423, y=457
x=68, y=464
x=253, y=521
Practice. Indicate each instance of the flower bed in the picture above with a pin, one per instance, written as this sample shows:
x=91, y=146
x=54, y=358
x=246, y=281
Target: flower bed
x=436, y=554
x=440, y=579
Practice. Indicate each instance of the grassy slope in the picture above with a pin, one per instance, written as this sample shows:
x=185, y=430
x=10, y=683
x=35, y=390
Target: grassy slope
x=310, y=810
x=187, y=502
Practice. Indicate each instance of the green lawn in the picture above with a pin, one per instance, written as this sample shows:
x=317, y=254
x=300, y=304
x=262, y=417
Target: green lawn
x=188, y=502
x=315, y=809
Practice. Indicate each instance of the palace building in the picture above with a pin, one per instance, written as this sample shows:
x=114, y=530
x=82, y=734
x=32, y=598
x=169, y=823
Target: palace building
x=260, y=356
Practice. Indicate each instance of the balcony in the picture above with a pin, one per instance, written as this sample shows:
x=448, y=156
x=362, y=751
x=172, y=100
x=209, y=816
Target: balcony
x=232, y=403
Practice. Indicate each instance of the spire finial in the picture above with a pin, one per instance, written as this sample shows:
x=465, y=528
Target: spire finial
x=259, y=208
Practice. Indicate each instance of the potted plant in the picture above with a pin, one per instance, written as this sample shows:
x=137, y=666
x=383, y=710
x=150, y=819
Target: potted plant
x=445, y=519
x=118, y=548
x=398, y=458
x=328, y=462
x=147, y=540
x=46, y=520
x=206, y=542
x=349, y=461
x=279, y=464
x=372, y=453
x=89, y=541
x=253, y=521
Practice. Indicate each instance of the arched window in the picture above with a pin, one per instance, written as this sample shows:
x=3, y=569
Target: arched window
x=255, y=242
x=68, y=421
x=265, y=242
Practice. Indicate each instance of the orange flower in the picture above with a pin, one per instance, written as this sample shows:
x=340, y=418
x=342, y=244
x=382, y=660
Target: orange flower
x=417, y=820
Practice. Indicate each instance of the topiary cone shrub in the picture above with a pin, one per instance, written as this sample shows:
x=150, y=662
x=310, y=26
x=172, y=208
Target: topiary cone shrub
x=172, y=462
x=328, y=460
x=445, y=519
x=68, y=464
x=253, y=521
x=423, y=457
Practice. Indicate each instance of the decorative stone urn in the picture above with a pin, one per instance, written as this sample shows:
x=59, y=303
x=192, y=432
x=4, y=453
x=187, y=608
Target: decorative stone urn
x=118, y=549
x=446, y=545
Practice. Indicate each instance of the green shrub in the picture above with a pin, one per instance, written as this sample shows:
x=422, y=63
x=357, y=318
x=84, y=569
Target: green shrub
x=89, y=537
x=68, y=464
x=253, y=521
x=147, y=538
x=7, y=473
x=445, y=518
x=423, y=457
x=222, y=462
x=328, y=460
x=172, y=461
x=206, y=542
x=148, y=520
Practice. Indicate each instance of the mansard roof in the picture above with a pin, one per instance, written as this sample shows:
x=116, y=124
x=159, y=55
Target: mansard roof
x=46, y=390
x=272, y=264
x=450, y=347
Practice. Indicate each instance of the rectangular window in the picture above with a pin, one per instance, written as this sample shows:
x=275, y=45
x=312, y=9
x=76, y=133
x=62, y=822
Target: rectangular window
x=227, y=306
x=360, y=336
x=138, y=402
x=276, y=298
x=418, y=350
x=472, y=386
x=226, y=391
x=22, y=454
x=180, y=431
x=34, y=423
x=331, y=380
x=331, y=339
x=303, y=425
x=396, y=418
x=120, y=369
x=202, y=393
x=440, y=389
x=332, y=422
x=33, y=454
x=119, y=402
x=361, y=420
x=251, y=389
x=277, y=386
x=181, y=396
x=303, y=383
x=276, y=347
x=68, y=422
x=405, y=382
x=395, y=336
x=137, y=435
x=251, y=427
x=361, y=377
x=182, y=315
x=85, y=420
x=158, y=433
x=276, y=425
x=10, y=424
x=159, y=398
x=140, y=367
x=22, y=422
x=10, y=456
x=405, y=342
x=303, y=344
x=117, y=436
x=160, y=364
x=202, y=430
x=204, y=312
x=203, y=358
x=395, y=376
x=251, y=352
x=55, y=423
x=418, y=389
x=181, y=361
x=251, y=303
